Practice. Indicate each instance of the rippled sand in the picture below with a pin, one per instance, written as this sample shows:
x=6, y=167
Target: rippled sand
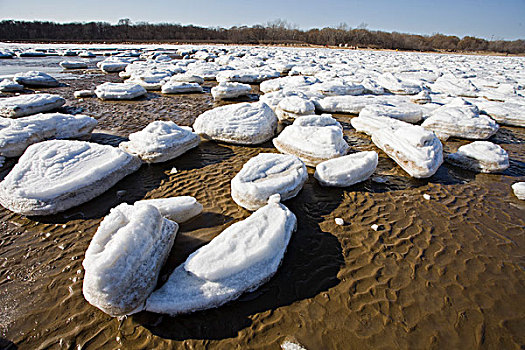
x=441, y=273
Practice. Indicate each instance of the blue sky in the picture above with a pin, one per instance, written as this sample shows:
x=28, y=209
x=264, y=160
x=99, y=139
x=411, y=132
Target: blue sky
x=494, y=19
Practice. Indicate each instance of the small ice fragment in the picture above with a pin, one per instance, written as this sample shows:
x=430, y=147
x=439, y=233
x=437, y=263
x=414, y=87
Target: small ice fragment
x=173, y=170
x=64, y=226
x=426, y=196
x=289, y=345
x=339, y=221
x=121, y=193
x=375, y=227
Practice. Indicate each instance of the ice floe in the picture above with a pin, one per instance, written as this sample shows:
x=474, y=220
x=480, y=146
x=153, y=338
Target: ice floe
x=17, y=134
x=346, y=170
x=313, y=139
x=241, y=123
x=73, y=65
x=416, y=150
x=119, y=91
x=292, y=107
x=178, y=209
x=53, y=176
x=240, y=259
x=124, y=258
x=267, y=174
x=480, y=156
x=23, y=105
x=180, y=88
x=36, y=79
x=407, y=112
x=507, y=113
x=230, y=90
x=8, y=85
x=160, y=141
x=519, y=190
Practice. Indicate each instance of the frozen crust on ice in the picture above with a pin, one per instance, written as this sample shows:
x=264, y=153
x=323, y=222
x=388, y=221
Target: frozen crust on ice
x=53, y=176
x=124, y=258
x=416, y=150
x=267, y=174
x=119, y=91
x=313, y=139
x=178, y=209
x=160, y=141
x=481, y=156
x=17, y=134
x=20, y=106
x=239, y=260
x=241, y=123
x=347, y=170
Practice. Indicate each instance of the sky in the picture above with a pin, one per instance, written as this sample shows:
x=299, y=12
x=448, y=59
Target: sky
x=489, y=19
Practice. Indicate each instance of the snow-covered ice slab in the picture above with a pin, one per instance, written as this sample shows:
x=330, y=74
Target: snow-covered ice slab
x=347, y=104
x=35, y=79
x=417, y=151
x=160, y=141
x=247, y=76
x=289, y=108
x=347, y=170
x=230, y=90
x=507, y=113
x=407, y=112
x=178, y=209
x=241, y=123
x=180, y=88
x=23, y=105
x=371, y=123
x=337, y=89
x=287, y=82
x=397, y=86
x=73, y=65
x=124, y=258
x=463, y=121
x=519, y=190
x=480, y=156
x=119, y=91
x=313, y=139
x=265, y=175
x=17, y=134
x=53, y=176
x=449, y=84
x=239, y=260
x=8, y=85
x=187, y=78
x=422, y=98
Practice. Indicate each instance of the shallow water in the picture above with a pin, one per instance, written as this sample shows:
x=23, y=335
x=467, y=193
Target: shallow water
x=441, y=273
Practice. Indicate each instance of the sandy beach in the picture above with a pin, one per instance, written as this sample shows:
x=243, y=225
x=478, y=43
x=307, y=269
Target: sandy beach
x=444, y=272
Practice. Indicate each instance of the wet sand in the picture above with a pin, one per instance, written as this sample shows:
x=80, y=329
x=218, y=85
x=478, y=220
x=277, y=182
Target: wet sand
x=441, y=273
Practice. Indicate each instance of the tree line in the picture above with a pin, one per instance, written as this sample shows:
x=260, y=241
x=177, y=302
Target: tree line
x=275, y=32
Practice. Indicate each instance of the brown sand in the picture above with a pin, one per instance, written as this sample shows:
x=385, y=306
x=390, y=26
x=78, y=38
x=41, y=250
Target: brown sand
x=443, y=273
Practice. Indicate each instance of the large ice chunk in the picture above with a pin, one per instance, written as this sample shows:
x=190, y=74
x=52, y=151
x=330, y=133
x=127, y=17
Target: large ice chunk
x=240, y=259
x=292, y=107
x=178, y=209
x=160, y=141
x=371, y=123
x=347, y=170
x=53, y=176
x=20, y=106
x=124, y=258
x=313, y=139
x=178, y=87
x=119, y=91
x=463, y=121
x=449, y=84
x=265, y=175
x=397, y=86
x=241, y=123
x=481, y=156
x=73, y=64
x=507, y=113
x=36, y=79
x=8, y=85
x=407, y=112
x=17, y=134
x=230, y=90
x=519, y=190
x=417, y=151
